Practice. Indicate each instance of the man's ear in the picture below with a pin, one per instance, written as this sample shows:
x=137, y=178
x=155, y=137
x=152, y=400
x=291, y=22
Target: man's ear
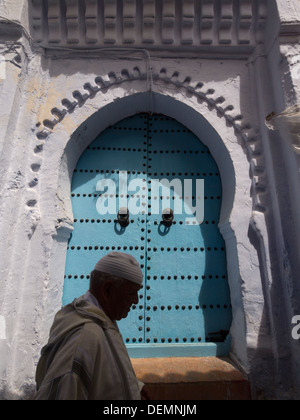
x=107, y=289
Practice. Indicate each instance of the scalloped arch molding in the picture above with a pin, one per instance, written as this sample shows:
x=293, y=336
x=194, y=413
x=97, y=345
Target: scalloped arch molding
x=247, y=135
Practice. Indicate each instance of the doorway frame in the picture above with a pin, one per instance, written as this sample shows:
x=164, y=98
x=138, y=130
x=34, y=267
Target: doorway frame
x=222, y=139
x=162, y=350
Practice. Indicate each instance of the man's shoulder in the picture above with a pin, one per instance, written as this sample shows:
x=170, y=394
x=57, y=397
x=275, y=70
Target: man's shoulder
x=92, y=330
x=91, y=336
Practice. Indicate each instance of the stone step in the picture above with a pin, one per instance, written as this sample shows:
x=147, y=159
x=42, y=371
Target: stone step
x=192, y=378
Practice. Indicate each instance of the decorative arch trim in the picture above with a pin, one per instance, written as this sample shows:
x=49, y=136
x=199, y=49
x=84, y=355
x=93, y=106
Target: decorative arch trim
x=247, y=135
x=236, y=212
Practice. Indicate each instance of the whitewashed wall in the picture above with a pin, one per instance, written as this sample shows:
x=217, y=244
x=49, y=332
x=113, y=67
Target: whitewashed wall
x=55, y=101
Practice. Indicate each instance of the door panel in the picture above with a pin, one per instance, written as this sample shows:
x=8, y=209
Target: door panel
x=185, y=297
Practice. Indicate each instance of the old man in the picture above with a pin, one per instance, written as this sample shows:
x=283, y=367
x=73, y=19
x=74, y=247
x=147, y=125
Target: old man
x=85, y=358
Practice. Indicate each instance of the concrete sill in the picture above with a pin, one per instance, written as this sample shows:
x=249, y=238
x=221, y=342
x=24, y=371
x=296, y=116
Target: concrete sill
x=192, y=378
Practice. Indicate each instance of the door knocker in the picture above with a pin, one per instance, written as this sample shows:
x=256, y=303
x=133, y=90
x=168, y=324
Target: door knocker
x=167, y=217
x=123, y=217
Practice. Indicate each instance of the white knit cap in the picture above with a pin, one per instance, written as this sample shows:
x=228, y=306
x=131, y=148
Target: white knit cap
x=121, y=265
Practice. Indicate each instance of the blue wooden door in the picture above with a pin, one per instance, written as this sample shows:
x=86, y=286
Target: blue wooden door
x=151, y=164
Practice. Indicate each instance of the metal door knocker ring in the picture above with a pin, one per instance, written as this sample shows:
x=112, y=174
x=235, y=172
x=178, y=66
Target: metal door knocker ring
x=123, y=217
x=168, y=217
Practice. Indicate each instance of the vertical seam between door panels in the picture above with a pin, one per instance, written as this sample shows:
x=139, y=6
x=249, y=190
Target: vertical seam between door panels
x=146, y=236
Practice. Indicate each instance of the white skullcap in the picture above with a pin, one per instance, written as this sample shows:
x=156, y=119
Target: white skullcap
x=121, y=265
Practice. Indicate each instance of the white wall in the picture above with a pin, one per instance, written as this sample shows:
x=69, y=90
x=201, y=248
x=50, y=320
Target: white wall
x=53, y=106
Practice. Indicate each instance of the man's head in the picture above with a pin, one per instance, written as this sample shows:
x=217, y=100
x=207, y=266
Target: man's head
x=115, y=283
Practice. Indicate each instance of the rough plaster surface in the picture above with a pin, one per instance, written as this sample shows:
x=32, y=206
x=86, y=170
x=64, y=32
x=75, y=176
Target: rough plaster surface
x=53, y=105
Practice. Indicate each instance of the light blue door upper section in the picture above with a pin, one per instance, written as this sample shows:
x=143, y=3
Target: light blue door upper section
x=185, y=301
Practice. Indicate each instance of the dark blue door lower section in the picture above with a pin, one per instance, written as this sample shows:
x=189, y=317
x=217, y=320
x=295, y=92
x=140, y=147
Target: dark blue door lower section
x=151, y=164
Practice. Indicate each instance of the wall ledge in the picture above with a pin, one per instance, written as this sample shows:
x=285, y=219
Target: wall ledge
x=192, y=378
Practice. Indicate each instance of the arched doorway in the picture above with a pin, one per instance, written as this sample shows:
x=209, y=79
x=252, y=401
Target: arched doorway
x=147, y=164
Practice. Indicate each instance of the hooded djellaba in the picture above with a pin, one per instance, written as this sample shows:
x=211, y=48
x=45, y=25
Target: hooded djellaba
x=86, y=358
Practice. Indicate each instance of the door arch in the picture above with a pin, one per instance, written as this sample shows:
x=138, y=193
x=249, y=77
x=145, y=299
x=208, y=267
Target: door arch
x=184, y=307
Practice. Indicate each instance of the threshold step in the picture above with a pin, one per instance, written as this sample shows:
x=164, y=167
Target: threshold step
x=192, y=378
